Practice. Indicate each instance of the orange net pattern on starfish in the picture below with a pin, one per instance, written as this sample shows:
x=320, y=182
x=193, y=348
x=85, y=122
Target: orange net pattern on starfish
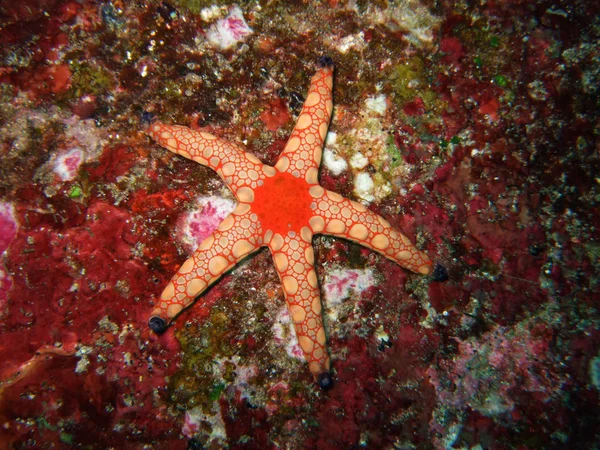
x=302, y=154
x=280, y=207
x=240, y=170
x=341, y=217
x=235, y=238
x=294, y=260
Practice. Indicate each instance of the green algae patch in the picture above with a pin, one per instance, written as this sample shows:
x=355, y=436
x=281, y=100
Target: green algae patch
x=200, y=381
x=75, y=192
x=407, y=80
x=195, y=6
x=89, y=79
x=393, y=152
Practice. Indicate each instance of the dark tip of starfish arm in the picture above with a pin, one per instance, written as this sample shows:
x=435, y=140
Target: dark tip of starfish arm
x=324, y=61
x=147, y=119
x=157, y=324
x=325, y=381
x=440, y=273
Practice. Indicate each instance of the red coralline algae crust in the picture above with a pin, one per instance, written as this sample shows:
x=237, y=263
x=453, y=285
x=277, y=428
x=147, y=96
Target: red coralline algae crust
x=71, y=348
x=483, y=149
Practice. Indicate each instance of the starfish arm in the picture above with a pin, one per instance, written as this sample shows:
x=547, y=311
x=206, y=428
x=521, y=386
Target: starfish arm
x=235, y=238
x=302, y=153
x=341, y=217
x=241, y=171
x=294, y=261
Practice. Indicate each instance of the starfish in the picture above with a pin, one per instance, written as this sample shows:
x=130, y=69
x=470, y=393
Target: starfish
x=281, y=207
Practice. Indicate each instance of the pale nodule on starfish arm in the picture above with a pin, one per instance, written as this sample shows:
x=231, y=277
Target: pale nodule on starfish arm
x=350, y=220
x=302, y=154
x=235, y=238
x=294, y=259
x=236, y=167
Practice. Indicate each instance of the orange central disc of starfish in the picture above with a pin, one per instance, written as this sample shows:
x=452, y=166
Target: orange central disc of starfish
x=282, y=203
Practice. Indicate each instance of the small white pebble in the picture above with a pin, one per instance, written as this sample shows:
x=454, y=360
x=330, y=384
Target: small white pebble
x=377, y=104
x=333, y=162
x=363, y=187
x=359, y=161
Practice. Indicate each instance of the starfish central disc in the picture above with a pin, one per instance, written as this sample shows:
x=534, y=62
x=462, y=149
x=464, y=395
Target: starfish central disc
x=282, y=203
